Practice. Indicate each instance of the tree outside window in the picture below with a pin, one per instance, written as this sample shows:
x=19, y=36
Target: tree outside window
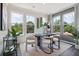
x=16, y=22
x=56, y=21
x=69, y=22
x=30, y=23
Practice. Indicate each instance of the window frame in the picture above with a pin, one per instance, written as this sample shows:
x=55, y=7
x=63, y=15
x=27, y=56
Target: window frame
x=61, y=13
x=67, y=13
x=57, y=24
x=18, y=14
x=32, y=22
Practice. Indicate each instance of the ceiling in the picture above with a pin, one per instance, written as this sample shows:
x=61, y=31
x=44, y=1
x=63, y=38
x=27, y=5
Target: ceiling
x=46, y=8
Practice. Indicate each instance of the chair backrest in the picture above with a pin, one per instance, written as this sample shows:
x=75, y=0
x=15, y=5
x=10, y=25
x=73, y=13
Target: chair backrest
x=30, y=36
x=21, y=39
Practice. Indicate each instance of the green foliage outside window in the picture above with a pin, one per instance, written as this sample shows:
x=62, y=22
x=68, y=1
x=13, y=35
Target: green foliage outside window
x=70, y=28
x=57, y=28
x=30, y=27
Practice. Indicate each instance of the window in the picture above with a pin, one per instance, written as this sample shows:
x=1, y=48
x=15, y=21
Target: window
x=38, y=22
x=56, y=21
x=69, y=22
x=16, y=22
x=65, y=22
x=43, y=21
x=30, y=23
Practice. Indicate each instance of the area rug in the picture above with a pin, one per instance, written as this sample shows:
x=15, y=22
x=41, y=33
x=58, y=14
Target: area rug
x=31, y=51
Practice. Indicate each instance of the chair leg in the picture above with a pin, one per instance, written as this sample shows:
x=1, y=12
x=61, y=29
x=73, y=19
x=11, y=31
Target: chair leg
x=36, y=48
x=51, y=45
x=26, y=46
x=58, y=44
x=32, y=45
x=36, y=45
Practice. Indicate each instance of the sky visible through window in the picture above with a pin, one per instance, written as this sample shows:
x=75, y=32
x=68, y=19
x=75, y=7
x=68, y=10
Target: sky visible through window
x=56, y=18
x=69, y=18
x=16, y=18
x=44, y=20
x=30, y=18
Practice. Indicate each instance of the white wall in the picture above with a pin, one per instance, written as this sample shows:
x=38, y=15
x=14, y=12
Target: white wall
x=26, y=11
x=77, y=16
x=2, y=34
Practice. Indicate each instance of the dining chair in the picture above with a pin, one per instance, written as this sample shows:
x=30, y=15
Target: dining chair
x=21, y=44
x=48, y=40
x=56, y=39
x=31, y=39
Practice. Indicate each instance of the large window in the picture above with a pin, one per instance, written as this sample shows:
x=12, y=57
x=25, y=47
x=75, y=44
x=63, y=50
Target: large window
x=69, y=22
x=30, y=24
x=44, y=21
x=16, y=21
x=56, y=21
x=41, y=21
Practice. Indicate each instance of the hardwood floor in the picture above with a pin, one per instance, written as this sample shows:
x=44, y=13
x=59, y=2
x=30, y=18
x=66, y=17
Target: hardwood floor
x=71, y=52
x=31, y=51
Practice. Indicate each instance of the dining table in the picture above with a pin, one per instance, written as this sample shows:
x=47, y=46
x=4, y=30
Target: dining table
x=47, y=35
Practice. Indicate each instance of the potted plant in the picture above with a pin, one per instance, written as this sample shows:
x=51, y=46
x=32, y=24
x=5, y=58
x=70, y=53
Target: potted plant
x=14, y=32
x=9, y=52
